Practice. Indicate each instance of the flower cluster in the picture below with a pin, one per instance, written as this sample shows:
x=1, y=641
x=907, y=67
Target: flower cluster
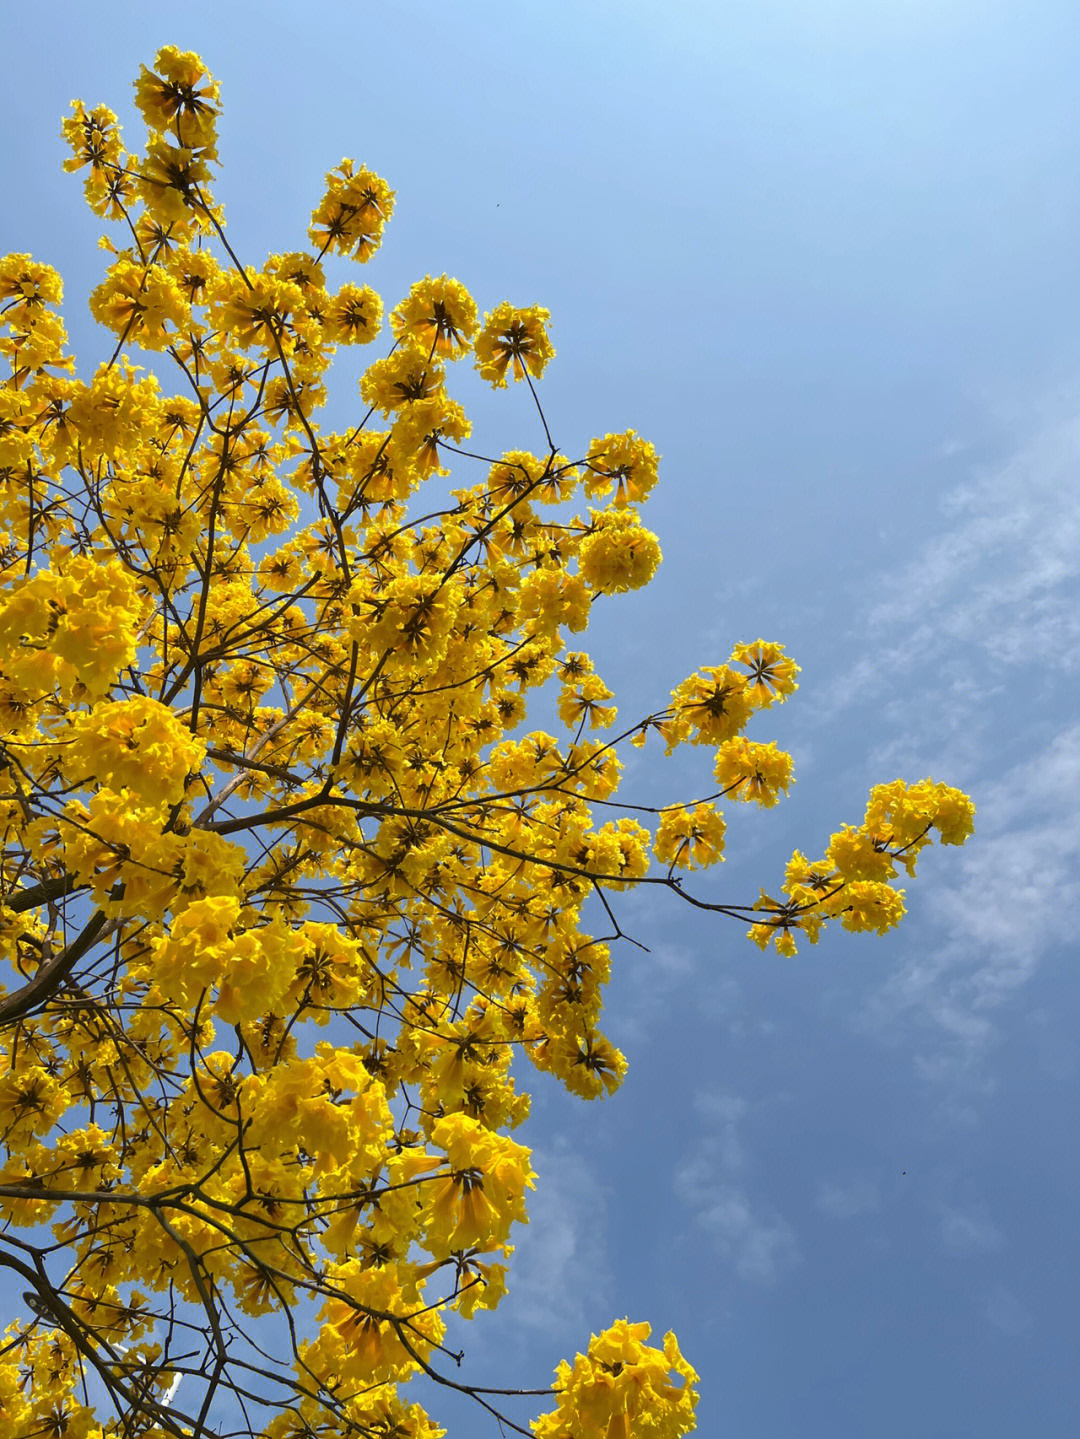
x=623, y=1388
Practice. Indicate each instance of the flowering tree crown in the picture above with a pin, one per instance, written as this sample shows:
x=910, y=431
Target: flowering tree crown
x=289, y=891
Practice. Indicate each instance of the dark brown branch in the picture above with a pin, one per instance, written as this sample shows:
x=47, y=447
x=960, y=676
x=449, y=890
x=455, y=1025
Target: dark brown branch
x=37, y=991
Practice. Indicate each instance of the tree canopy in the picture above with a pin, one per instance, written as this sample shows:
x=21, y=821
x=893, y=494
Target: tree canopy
x=291, y=895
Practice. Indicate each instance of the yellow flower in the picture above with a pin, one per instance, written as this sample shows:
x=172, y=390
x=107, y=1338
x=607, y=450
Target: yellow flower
x=554, y=600
x=588, y=1064
x=710, y=707
x=626, y=462
x=790, y=917
x=257, y=314
x=171, y=182
x=31, y=1099
x=143, y=304
x=69, y=626
x=358, y=1346
x=193, y=272
x=179, y=97
x=804, y=879
x=483, y=1194
x=618, y=553
x=410, y=620
x=94, y=136
x=418, y=430
x=192, y=957
x=438, y=317
x=583, y=704
x=872, y=905
x=955, y=814
x=622, y=1387
x=28, y=284
x=353, y=316
x=902, y=815
x=332, y=973
x=351, y=216
x=748, y=770
x=400, y=380
x=520, y=474
x=113, y=413
x=513, y=339
x=771, y=672
x=136, y=743
x=856, y=856
x=299, y=268
x=690, y=838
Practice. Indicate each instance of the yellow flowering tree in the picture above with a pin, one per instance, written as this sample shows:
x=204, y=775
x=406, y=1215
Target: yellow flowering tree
x=290, y=894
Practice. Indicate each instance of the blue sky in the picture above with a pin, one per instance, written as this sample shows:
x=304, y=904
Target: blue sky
x=823, y=255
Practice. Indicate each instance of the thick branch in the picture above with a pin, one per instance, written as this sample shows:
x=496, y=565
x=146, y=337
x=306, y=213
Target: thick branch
x=51, y=975
x=29, y=898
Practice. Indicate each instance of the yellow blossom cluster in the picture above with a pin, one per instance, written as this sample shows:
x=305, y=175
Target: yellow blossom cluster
x=854, y=880
x=290, y=894
x=623, y=1388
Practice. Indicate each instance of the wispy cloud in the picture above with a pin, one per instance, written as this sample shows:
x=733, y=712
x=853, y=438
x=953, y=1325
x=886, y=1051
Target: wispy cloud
x=643, y=981
x=991, y=602
x=968, y=1231
x=755, y=1240
x=1013, y=897
x=1002, y=574
x=985, y=619
x=561, y=1256
x=846, y=1201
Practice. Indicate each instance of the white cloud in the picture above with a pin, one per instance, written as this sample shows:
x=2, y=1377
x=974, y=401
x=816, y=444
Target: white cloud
x=971, y=648
x=1014, y=897
x=756, y=1242
x=718, y=1107
x=845, y=1201
x=642, y=980
x=991, y=602
x=560, y=1257
x=1002, y=575
x=759, y=1244
x=970, y=1231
